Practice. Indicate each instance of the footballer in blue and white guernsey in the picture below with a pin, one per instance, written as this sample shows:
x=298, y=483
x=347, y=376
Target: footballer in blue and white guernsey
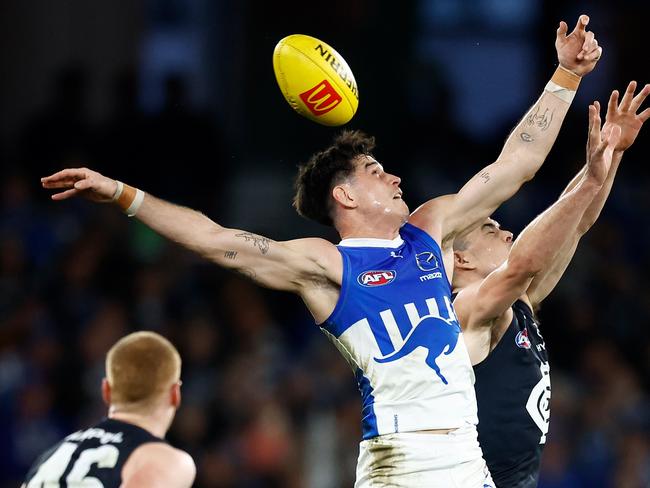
x=500, y=284
x=383, y=294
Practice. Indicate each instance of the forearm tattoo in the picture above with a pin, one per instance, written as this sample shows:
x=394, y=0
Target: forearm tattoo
x=485, y=175
x=536, y=120
x=230, y=255
x=526, y=137
x=542, y=121
x=262, y=243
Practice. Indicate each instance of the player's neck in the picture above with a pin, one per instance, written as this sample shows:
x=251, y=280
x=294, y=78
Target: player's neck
x=383, y=229
x=154, y=423
x=464, y=279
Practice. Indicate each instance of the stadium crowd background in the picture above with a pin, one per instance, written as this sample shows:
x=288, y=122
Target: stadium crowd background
x=178, y=98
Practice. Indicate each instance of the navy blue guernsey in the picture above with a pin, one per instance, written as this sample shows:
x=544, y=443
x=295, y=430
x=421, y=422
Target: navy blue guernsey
x=91, y=457
x=513, y=392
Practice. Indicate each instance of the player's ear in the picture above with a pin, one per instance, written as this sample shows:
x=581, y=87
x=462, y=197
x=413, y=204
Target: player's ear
x=175, y=394
x=462, y=260
x=106, y=392
x=344, y=195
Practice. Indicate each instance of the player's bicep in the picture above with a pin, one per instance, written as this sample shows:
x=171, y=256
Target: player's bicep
x=272, y=264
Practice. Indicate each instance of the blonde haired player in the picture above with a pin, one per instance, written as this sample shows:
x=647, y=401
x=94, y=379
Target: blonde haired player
x=127, y=450
x=383, y=295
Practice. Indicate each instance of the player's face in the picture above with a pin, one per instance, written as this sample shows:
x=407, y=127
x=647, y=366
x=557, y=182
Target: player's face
x=378, y=192
x=490, y=246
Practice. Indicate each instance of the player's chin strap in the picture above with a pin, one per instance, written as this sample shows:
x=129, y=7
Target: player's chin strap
x=563, y=84
x=128, y=198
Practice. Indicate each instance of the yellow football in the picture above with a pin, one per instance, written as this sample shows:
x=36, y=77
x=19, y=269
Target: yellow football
x=315, y=80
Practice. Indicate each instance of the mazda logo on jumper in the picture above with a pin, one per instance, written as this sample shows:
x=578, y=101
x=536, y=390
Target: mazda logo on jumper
x=426, y=261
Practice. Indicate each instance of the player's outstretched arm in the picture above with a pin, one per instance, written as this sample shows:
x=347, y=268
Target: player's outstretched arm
x=158, y=465
x=625, y=116
x=279, y=265
x=537, y=246
x=526, y=147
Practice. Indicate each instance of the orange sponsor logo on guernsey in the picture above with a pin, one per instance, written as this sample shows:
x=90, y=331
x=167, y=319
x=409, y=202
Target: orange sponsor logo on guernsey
x=321, y=99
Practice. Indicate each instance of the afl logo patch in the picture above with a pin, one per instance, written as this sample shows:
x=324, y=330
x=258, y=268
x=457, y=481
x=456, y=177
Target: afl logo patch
x=376, y=278
x=522, y=339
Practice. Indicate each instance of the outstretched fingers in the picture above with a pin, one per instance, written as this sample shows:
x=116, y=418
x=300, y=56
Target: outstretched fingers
x=581, y=25
x=66, y=194
x=562, y=30
x=612, y=105
x=62, y=183
x=638, y=100
x=65, y=175
x=593, y=140
x=626, y=101
x=645, y=115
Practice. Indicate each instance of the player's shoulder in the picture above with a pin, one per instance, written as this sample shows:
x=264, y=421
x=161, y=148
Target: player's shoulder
x=316, y=248
x=161, y=452
x=431, y=214
x=159, y=460
x=309, y=242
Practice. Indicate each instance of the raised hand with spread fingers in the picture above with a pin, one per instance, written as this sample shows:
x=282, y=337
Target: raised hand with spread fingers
x=624, y=114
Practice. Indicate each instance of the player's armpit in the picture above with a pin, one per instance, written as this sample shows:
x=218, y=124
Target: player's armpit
x=158, y=465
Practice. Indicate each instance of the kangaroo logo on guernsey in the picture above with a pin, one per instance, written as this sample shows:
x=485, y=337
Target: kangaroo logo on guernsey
x=436, y=335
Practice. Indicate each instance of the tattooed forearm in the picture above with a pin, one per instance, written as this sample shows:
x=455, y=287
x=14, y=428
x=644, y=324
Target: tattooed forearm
x=262, y=243
x=230, y=255
x=526, y=137
x=485, y=175
x=541, y=121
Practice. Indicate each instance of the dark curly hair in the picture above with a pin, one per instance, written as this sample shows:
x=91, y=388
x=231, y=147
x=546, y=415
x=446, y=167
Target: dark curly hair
x=324, y=170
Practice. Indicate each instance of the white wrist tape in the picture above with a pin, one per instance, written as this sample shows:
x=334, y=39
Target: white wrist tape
x=118, y=190
x=135, y=205
x=559, y=91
